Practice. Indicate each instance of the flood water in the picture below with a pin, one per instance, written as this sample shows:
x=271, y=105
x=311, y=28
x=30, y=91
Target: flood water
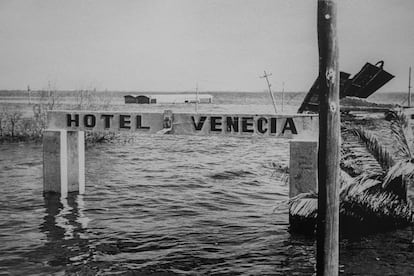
x=170, y=205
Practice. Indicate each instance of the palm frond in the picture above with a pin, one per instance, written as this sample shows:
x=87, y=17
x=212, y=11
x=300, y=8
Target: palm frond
x=358, y=186
x=304, y=205
x=403, y=169
x=356, y=157
x=380, y=153
x=402, y=132
x=345, y=178
x=379, y=210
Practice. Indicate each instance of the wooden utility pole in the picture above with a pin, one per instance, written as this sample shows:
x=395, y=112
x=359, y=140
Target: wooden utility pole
x=30, y=96
x=283, y=94
x=327, y=251
x=196, y=103
x=409, y=87
x=265, y=76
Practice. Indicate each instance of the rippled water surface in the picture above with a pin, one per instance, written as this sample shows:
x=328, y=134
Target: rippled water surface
x=160, y=203
x=170, y=205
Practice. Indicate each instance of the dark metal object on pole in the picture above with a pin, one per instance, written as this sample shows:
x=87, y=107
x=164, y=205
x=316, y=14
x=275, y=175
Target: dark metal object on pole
x=327, y=251
x=362, y=85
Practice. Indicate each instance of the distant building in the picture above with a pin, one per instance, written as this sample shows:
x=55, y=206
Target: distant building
x=130, y=99
x=139, y=99
x=168, y=98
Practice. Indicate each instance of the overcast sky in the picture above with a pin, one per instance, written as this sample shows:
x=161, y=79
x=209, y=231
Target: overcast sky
x=170, y=45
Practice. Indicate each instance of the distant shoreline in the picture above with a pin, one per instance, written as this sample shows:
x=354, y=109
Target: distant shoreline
x=15, y=92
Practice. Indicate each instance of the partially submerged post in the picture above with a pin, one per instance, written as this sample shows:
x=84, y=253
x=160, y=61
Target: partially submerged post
x=63, y=161
x=327, y=255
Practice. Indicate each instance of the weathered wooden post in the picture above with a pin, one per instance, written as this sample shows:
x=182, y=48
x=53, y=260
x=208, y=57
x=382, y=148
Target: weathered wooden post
x=327, y=251
x=63, y=161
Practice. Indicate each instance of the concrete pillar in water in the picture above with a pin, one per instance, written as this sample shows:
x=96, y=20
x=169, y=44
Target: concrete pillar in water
x=63, y=161
x=303, y=167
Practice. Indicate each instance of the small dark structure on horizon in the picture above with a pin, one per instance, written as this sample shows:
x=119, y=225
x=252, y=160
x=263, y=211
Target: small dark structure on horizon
x=140, y=99
x=130, y=99
x=170, y=98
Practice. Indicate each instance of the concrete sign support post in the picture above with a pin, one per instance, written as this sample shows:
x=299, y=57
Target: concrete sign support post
x=303, y=167
x=327, y=248
x=63, y=161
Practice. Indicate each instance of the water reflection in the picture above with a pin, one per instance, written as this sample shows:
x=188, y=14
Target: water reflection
x=64, y=226
x=300, y=253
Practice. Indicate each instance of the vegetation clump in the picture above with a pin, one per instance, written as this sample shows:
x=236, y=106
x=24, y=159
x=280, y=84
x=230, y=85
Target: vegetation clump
x=15, y=128
x=26, y=122
x=375, y=172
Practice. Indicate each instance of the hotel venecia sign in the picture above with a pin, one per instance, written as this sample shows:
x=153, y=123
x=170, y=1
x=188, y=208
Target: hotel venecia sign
x=283, y=125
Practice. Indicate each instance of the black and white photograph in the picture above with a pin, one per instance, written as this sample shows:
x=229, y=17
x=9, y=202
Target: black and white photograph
x=206, y=137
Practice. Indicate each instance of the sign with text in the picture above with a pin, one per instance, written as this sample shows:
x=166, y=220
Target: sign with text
x=287, y=126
